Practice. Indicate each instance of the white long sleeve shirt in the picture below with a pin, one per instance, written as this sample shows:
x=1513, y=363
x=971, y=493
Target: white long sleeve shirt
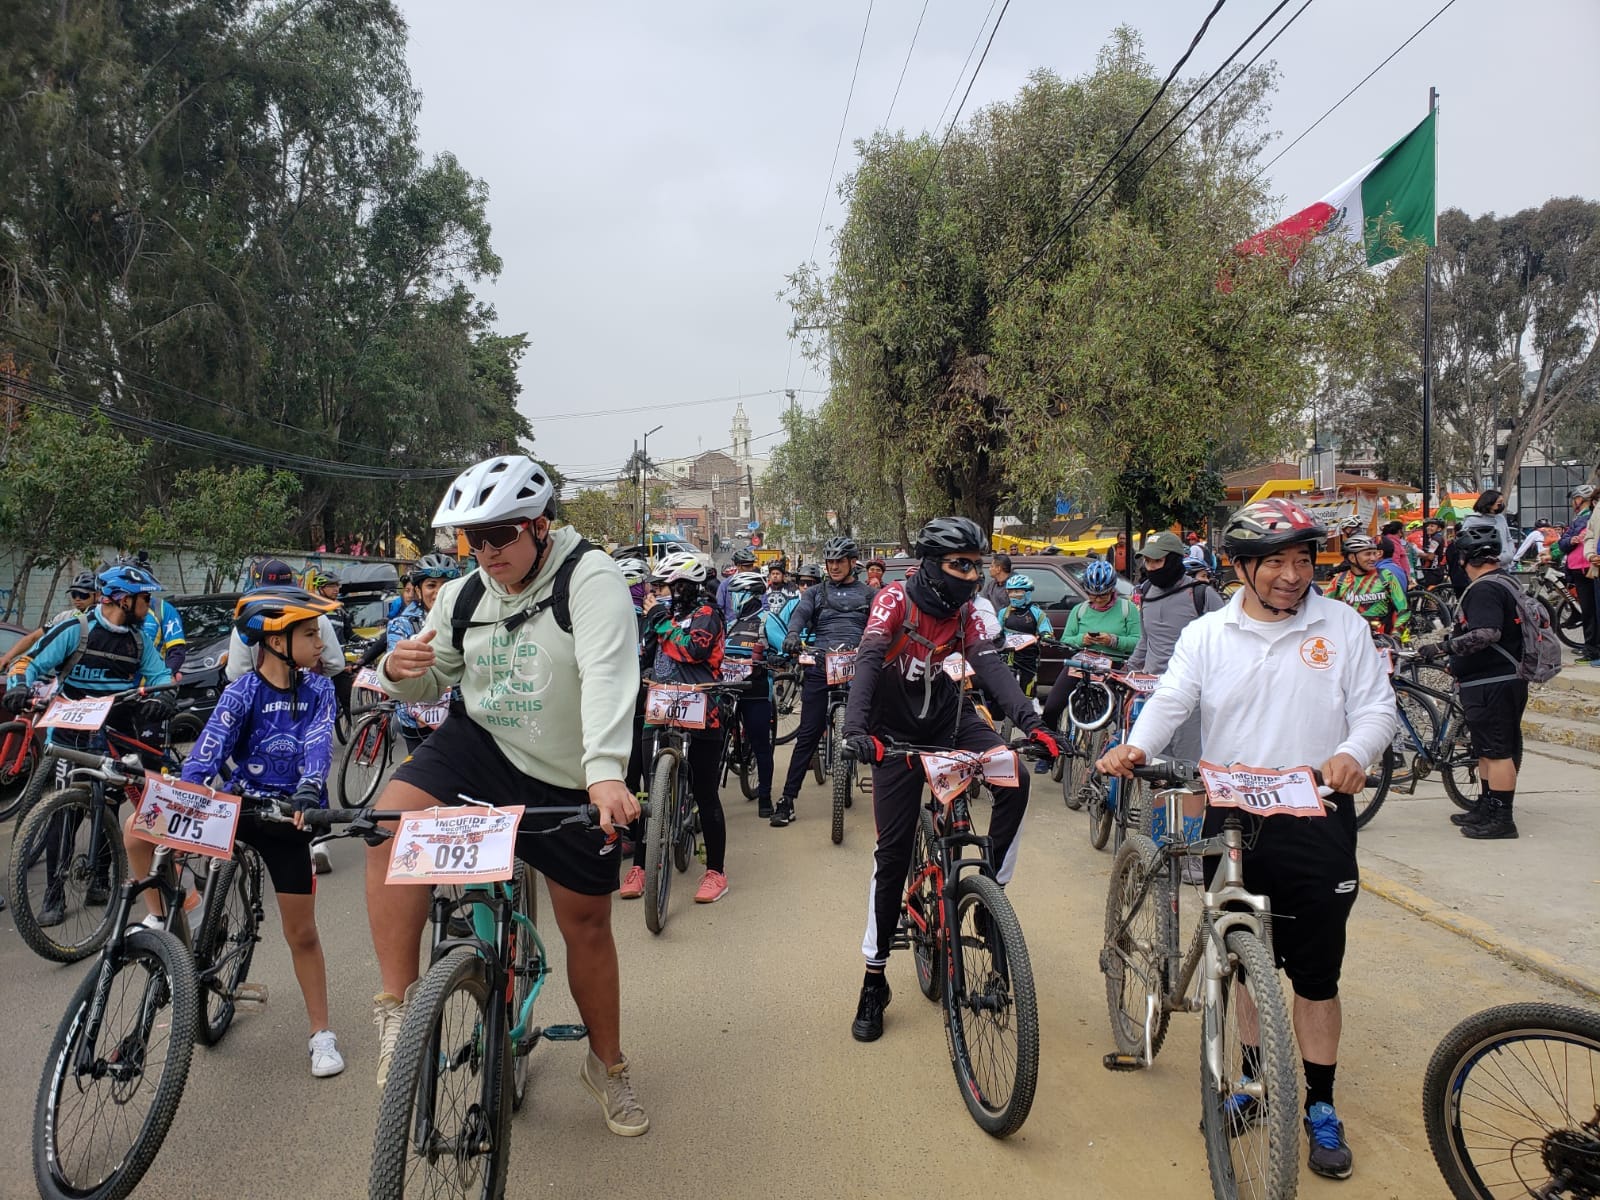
x=1274, y=693
x=242, y=658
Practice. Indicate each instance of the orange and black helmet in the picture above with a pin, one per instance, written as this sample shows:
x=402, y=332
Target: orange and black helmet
x=276, y=610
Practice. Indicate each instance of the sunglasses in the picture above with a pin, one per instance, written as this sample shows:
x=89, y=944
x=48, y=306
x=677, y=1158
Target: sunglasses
x=494, y=537
x=78, y=595
x=964, y=565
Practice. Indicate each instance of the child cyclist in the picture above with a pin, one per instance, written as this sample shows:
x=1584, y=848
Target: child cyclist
x=427, y=576
x=276, y=725
x=689, y=639
x=1022, y=615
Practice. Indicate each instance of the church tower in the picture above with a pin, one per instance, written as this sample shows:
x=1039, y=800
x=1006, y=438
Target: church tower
x=741, y=437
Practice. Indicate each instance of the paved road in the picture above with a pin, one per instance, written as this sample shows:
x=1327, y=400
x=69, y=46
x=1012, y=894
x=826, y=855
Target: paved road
x=737, y=1022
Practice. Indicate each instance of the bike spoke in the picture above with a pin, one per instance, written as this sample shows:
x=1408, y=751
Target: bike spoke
x=445, y=1157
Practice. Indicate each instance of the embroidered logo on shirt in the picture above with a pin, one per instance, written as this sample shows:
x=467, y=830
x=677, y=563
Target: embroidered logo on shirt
x=1317, y=653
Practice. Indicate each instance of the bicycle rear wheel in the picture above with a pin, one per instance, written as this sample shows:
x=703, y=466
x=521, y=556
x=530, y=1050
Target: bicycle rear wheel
x=993, y=1020
x=785, y=708
x=435, y=1136
x=1378, y=778
x=227, y=939
x=927, y=946
x=659, y=836
x=1568, y=623
x=1510, y=1101
x=366, y=760
x=1075, y=769
x=20, y=765
x=1134, y=956
x=65, y=851
x=1458, y=767
x=96, y=1131
x=844, y=778
x=1250, y=1123
x=1430, y=615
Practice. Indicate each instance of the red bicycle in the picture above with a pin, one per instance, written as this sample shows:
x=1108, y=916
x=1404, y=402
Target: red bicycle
x=21, y=747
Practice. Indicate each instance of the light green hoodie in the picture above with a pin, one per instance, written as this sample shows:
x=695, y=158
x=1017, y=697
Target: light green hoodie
x=560, y=707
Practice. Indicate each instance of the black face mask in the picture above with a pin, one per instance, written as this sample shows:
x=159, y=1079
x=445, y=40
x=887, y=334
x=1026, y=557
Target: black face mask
x=938, y=592
x=1167, y=574
x=685, y=597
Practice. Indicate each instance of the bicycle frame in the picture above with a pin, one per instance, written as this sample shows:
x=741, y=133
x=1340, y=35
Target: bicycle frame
x=952, y=827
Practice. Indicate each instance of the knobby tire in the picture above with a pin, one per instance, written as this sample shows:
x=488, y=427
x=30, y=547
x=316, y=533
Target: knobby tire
x=72, y=940
x=658, y=840
x=927, y=949
x=226, y=943
x=1133, y=957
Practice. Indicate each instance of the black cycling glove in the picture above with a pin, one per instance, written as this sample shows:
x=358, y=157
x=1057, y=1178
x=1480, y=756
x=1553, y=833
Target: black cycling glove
x=16, y=698
x=307, y=796
x=158, y=707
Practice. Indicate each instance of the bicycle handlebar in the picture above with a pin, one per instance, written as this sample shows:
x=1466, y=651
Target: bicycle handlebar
x=1180, y=773
x=585, y=815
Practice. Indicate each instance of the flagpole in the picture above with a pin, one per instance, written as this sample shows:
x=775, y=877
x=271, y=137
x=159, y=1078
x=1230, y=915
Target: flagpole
x=1427, y=340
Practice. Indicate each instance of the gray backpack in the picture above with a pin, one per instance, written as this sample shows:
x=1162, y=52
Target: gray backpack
x=1541, y=653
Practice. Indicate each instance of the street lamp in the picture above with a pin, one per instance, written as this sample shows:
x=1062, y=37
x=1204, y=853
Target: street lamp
x=644, y=506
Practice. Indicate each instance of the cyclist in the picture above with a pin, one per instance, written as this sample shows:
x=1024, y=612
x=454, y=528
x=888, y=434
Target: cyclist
x=902, y=693
x=806, y=576
x=163, y=625
x=779, y=590
x=1489, y=509
x=1574, y=565
x=427, y=575
x=831, y=616
x=1281, y=677
x=548, y=670
x=1197, y=570
x=744, y=559
x=1169, y=601
x=690, y=638
x=80, y=598
x=1105, y=623
x=94, y=653
x=276, y=726
x=1022, y=615
x=1430, y=553
x=875, y=569
x=1376, y=594
x=1393, y=553
x=757, y=634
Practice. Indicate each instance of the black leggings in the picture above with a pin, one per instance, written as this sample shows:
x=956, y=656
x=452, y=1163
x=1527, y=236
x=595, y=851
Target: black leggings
x=704, y=760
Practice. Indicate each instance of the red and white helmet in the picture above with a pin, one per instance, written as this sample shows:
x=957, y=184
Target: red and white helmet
x=1265, y=527
x=682, y=564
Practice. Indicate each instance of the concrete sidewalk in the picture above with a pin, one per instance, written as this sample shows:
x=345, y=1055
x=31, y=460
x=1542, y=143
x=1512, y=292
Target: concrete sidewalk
x=1535, y=900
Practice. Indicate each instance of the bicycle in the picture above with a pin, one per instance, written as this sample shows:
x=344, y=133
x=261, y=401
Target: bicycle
x=1432, y=610
x=21, y=748
x=1250, y=1122
x=1511, y=1102
x=460, y=1066
x=153, y=992
x=675, y=711
x=1432, y=730
x=953, y=903
x=829, y=763
x=1101, y=709
x=786, y=680
x=68, y=845
x=738, y=756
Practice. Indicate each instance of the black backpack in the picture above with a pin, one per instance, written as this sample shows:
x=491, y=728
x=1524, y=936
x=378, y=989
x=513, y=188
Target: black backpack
x=560, y=598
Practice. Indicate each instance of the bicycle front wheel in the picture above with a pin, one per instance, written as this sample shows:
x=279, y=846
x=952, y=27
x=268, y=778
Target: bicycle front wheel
x=927, y=945
x=785, y=708
x=436, y=1136
x=1379, y=776
x=1509, y=1101
x=1075, y=769
x=844, y=777
x=227, y=940
x=98, y=1126
x=526, y=966
x=1249, y=1112
x=21, y=764
x=67, y=867
x=1458, y=768
x=1569, y=623
x=366, y=760
x=992, y=1016
x=1134, y=956
x=660, y=834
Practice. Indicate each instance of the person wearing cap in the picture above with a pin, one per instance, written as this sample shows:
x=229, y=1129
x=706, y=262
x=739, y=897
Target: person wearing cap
x=1430, y=552
x=275, y=573
x=80, y=598
x=1169, y=600
x=1575, y=566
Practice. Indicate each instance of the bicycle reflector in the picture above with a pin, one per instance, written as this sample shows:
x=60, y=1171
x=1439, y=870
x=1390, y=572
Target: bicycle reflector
x=1090, y=706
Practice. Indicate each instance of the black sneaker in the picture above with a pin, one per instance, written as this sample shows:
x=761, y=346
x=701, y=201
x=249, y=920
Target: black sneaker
x=54, y=910
x=98, y=894
x=1330, y=1153
x=868, y=1026
x=1473, y=815
x=764, y=807
x=783, y=814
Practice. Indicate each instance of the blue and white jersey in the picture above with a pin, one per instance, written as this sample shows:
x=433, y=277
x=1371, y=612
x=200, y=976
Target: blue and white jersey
x=277, y=740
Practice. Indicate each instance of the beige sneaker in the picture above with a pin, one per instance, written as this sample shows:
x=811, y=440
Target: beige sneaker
x=612, y=1088
x=387, y=1014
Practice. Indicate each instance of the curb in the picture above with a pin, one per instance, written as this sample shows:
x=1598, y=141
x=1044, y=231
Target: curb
x=1482, y=935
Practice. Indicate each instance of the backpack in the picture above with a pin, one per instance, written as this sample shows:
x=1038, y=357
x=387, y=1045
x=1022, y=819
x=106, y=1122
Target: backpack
x=1541, y=653
x=1196, y=590
x=466, y=602
x=72, y=660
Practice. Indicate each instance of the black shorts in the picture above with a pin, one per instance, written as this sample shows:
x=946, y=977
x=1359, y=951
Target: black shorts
x=285, y=851
x=1494, y=717
x=461, y=758
x=1307, y=867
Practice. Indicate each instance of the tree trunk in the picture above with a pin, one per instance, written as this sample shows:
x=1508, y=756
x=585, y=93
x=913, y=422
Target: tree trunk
x=50, y=596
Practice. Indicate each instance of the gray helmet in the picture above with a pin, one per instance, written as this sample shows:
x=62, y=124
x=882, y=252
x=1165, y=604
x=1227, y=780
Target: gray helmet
x=82, y=584
x=1356, y=544
x=1584, y=491
x=840, y=547
x=945, y=535
x=744, y=556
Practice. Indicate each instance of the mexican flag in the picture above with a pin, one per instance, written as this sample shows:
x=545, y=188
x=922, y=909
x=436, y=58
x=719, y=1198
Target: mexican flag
x=1394, y=189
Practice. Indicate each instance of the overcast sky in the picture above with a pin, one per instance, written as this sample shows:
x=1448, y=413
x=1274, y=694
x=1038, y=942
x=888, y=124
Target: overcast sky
x=655, y=170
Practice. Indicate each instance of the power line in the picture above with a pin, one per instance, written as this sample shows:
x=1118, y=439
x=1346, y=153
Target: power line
x=839, y=141
x=893, y=99
x=618, y=412
x=1079, y=205
x=1354, y=90
x=950, y=128
x=961, y=74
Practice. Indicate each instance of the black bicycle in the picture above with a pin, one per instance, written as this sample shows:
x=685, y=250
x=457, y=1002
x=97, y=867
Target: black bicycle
x=1511, y=1101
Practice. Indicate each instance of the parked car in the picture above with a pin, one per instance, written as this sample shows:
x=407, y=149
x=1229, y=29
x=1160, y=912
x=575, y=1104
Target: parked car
x=11, y=634
x=207, y=624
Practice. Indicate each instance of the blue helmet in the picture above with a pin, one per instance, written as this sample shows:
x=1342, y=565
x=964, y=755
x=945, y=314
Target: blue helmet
x=1099, y=577
x=434, y=566
x=123, y=580
x=1019, y=583
x=1193, y=566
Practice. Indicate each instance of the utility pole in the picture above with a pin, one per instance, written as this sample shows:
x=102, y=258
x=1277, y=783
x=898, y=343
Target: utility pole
x=644, y=499
x=638, y=526
x=1427, y=338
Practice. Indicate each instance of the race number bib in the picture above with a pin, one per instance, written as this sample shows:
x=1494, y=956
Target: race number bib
x=1019, y=641
x=736, y=670
x=681, y=708
x=950, y=774
x=1143, y=684
x=957, y=668
x=83, y=715
x=187, y=817
x=1262, y=790
x=841, y=667
x=1386, y=656
x=368, y=679
x=430, y=716
x=1097, y=662
x=454, y=845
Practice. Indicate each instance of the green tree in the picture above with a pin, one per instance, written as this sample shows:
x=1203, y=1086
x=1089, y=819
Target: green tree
x=229, y=515
x=602, y=515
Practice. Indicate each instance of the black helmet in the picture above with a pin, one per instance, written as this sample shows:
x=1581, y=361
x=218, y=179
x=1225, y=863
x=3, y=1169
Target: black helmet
x=945, y=535
x=840, y=547
x=1265, y=527
x=744, y=556
x=1479, y=543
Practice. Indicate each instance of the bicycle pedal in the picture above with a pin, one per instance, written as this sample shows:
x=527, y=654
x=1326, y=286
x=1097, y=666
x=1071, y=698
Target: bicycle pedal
x=566, y=1033
x=250, y=993
x=1122, y=1062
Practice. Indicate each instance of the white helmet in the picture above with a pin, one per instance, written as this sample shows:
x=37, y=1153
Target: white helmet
x=507, y=488
x=633, y=570
x=748, y=581
x=683, y=564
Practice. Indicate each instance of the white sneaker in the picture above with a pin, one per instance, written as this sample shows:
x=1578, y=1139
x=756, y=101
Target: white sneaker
x=321, y=864
x=325, y=1057
x=151, y=921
